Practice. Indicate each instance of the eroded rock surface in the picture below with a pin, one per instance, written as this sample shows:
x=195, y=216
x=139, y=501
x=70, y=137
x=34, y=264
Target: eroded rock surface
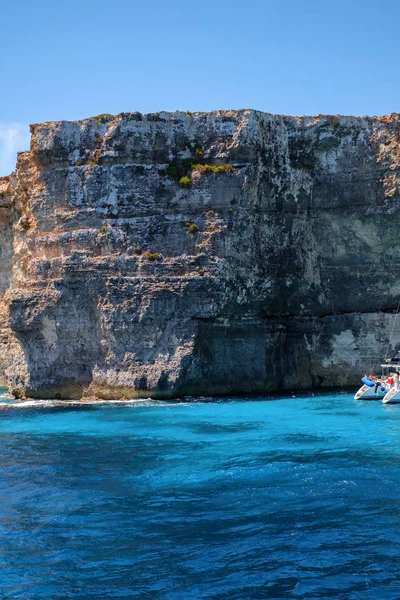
x=131, y=268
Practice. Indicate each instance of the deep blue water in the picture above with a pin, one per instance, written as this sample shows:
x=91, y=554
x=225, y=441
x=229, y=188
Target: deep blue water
x=293, y=497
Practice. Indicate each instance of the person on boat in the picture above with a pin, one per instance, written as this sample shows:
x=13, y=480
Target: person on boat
x=396, y=381
x=390, y=381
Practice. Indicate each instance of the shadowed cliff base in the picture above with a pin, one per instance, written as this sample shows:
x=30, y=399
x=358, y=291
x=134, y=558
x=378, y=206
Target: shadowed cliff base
x=177, y=254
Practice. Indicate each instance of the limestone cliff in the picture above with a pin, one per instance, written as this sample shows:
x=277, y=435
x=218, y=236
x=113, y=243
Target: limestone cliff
x=177, y=253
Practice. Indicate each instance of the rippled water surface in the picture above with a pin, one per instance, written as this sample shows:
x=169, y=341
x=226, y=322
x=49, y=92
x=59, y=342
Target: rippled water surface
x=238, y=498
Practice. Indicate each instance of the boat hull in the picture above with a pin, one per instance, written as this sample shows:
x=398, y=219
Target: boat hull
x=368, y=393
x=392, y=397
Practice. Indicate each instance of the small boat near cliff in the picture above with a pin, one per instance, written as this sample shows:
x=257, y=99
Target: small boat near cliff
x=385, y=388
x=372, y=389
x=392, y=397
x=393, y=394
x=392, y=368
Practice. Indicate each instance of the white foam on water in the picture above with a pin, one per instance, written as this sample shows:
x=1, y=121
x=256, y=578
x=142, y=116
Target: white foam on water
x=9, y=402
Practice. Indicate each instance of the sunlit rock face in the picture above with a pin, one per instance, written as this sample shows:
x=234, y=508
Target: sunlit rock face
x=6, y=250
x=11, y=354
x=131, y=268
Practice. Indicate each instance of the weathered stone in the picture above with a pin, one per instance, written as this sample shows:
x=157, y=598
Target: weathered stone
x=119, y=281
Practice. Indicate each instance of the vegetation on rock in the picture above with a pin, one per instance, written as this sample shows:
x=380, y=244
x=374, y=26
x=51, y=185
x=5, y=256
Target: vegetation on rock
x=192, y=227
x=184, y=181
x=173, y=171
x=199, y=168
x=151, y=255
x=99, y=117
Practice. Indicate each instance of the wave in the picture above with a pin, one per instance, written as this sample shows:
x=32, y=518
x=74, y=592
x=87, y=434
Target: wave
x=9, y=402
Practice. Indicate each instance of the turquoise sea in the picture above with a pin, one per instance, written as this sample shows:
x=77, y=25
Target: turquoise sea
x=236, y=498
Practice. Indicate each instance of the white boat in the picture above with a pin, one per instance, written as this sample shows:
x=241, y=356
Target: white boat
x=386, y=387
x=393, y=394
x=372, y=390
x=392, y=397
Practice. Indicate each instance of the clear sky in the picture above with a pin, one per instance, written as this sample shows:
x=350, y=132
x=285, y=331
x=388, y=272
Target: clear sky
x=77, y=58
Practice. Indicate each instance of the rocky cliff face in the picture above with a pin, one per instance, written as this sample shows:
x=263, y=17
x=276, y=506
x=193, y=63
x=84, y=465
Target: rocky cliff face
x=173, y=253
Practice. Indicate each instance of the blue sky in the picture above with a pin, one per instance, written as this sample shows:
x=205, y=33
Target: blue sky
x=74, y=59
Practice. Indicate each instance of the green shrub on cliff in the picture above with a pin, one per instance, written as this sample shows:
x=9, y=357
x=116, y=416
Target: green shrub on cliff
x=185, y=181
x=186, y=164
x=333, y=120
x=180, y=169
x=191, y=226
x=99, y=117
x=151, y=255
x=199, y=168
x=173, y=171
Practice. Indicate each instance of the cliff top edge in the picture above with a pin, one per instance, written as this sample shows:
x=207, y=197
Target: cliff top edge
x=238, y=122
x=223, y=113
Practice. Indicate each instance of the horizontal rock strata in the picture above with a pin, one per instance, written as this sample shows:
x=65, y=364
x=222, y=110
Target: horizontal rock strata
x=178, y=254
